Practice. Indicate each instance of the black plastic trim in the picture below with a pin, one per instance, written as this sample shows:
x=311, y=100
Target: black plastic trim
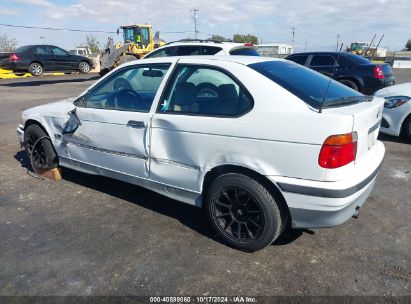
x=329, y=193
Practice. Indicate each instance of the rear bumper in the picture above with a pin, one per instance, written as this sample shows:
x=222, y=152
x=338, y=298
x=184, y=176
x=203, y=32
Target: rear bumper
x=315, y=204
x=372, y=86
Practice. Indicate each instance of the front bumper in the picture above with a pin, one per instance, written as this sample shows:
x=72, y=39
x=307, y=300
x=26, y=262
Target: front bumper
x=315, y=204
x=20, y=134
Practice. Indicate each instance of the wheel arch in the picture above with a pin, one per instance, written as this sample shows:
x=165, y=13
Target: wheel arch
x=213, y=173
x=402, y=129
x=357, y=81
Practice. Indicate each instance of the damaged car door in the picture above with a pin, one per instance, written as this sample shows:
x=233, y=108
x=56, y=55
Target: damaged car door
x=113, y=118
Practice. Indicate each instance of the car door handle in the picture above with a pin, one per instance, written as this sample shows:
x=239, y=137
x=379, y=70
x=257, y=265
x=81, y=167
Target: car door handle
x=135, y=124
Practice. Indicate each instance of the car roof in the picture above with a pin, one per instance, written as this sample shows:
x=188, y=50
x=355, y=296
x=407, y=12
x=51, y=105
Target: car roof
x=224, y=44
x=245, y=60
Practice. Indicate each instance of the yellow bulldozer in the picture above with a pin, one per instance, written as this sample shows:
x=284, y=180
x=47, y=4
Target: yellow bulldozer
x=138, y=41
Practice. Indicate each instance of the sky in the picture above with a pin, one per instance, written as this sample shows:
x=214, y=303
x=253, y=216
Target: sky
x=317, y=22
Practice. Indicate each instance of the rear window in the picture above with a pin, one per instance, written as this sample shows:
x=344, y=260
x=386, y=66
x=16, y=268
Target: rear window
x=300, y=59
x=357, y=59
x=22, y=49
x=245, y=52
x=303, y=82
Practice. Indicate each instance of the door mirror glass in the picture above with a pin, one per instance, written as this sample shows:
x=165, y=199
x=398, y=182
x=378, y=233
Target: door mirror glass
x=72, y=123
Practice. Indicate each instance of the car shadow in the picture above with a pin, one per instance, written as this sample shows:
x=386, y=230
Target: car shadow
x=395, y=139
x=190, y=216
x=31, y=83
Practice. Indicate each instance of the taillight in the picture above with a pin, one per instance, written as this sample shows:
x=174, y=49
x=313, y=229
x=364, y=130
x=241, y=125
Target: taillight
x=378, y=72
x=14, y=57
x=338, y=151
x=248, y=44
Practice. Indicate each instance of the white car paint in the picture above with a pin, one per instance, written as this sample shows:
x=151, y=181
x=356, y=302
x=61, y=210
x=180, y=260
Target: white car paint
x=397, y=116
x=226, y=47
x=279, y=138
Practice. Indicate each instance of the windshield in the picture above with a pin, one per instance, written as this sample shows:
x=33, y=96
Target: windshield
x=304, y=83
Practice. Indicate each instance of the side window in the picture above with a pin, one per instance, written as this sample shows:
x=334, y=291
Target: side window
x=39, y=50
x=322, y=60
x=188, y=50
x=59, y=52
x=210, y=50
x=299, y=59
x=204, y=91
x=165, y=52
x=130, y=89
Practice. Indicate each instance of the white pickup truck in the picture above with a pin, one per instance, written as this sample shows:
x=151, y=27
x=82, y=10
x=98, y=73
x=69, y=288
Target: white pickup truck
x=82, y=51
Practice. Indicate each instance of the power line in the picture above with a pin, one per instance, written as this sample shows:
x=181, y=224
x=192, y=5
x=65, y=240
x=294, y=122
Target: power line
x=56, y=29
x=78, y=30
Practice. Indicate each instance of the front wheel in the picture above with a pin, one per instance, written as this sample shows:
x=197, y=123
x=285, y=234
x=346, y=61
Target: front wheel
x=84, y=67
x=407, y=128
x=244, y=213
x=39, y=148
x=36, y=69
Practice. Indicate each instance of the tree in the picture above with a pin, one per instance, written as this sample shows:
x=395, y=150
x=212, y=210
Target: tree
x=7, y=44
x=92, y=43
x=218, y=38
x=249, y=38
x=408, y=45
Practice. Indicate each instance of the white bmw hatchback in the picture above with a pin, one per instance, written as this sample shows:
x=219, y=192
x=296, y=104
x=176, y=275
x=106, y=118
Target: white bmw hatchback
x=257, y=142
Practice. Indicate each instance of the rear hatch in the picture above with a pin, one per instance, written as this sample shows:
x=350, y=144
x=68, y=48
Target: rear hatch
x=367, y=115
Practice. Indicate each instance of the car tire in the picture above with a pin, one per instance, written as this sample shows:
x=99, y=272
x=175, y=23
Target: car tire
x=243, y=212
x=36, y=69
x=44, y=157
x=126, y=58
x=84, y=67
x=350, y=84
x=407, y=128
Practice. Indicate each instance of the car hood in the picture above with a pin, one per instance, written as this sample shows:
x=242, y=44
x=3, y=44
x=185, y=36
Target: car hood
x=54, y=109
x=397, y=90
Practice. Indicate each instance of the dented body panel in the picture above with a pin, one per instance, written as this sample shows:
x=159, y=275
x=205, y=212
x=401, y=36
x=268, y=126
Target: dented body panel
x=279, y=138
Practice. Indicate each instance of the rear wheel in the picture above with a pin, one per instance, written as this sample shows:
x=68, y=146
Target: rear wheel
x=243, y=212
x=84, y=67
x=350, y=84
x=36, y=69
x=39, y=148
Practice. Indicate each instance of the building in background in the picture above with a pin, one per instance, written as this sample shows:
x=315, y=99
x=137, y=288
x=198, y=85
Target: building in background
x=275, y=49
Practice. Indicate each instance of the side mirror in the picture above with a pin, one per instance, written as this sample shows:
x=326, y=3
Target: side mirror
x=72, y=123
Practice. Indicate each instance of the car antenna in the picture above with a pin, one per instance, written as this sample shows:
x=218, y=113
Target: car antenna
x=331, y=78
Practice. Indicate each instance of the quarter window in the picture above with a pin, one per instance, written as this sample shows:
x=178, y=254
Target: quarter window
x=210, y=50
x=130, y=89
x=204, y=91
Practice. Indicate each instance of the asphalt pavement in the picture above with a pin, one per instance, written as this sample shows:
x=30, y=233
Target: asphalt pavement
x=89, y=235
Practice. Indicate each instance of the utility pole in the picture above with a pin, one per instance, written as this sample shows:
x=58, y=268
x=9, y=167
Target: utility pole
x=305, y=46
x=194, y=11
x=42, y=39
x=338, y=42
x=292, y=41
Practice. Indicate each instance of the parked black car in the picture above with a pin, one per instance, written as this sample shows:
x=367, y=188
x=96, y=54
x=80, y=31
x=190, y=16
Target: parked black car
x=352, y=70
x=37, y=59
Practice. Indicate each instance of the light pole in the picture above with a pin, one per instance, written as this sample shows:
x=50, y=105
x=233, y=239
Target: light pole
x=42, y=39
x=194, y=11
